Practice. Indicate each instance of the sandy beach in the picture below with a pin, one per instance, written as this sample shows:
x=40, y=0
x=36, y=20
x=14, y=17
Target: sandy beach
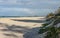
x=23, y=27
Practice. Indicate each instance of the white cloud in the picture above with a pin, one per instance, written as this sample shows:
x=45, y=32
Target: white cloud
x=28, y=3
x=28, y=6
x=8, y=2
x=25, y=10
x=1, y=1
x=14, y=2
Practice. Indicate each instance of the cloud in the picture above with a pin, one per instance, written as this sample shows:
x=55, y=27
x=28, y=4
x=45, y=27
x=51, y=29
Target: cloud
x=8, y=2
x=30, y=7
x=25, y=10
x=30, y=3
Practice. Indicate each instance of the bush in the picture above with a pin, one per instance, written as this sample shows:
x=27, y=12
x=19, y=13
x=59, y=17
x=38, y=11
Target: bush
x=45, y=24
x=56, y=21
x=42, y=30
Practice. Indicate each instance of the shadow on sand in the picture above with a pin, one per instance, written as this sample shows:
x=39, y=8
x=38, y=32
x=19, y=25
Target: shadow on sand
x=28, y=33
x=11, y=29
x=33, y=21
x=32, y=34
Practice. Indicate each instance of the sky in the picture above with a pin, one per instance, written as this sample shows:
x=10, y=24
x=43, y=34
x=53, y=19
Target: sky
x=28, y=7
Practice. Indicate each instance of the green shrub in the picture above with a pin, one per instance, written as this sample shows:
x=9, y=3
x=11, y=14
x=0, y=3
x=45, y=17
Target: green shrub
x=42, y=30
x=56, y=21
x=45, y=24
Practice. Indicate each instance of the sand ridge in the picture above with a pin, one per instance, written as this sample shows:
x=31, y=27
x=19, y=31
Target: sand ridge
x=9, y=28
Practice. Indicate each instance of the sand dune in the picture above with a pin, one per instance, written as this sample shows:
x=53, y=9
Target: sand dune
x=23, y=27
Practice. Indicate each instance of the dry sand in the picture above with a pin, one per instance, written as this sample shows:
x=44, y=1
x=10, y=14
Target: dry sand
x=23, y=27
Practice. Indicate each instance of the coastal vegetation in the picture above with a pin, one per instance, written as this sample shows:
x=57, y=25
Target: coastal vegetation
x=51, y=27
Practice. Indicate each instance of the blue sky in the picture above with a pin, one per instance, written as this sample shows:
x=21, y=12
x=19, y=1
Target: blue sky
x=27, y=7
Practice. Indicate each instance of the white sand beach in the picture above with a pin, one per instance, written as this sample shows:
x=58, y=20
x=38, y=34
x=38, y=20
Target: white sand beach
x=23, y=27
